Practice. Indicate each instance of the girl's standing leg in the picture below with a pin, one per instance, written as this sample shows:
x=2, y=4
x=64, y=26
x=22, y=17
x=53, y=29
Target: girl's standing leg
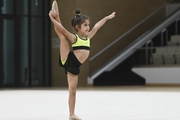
x=72, y=84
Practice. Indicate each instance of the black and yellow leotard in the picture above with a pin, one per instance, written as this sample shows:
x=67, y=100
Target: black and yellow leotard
x=72, y=64
x=81, y=43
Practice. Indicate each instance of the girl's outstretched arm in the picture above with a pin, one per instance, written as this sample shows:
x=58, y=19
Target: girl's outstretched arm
x=100, y=24
x=60, y=30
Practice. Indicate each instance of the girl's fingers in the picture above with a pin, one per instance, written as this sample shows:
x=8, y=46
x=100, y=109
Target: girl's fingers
x=112, y=15
x=52, y=13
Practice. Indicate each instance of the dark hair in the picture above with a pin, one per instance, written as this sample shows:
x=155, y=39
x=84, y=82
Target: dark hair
x=78, y=19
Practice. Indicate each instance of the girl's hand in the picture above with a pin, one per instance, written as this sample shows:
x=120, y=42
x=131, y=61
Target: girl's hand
x=54, y=13
x=112, y=15
x=51, y=15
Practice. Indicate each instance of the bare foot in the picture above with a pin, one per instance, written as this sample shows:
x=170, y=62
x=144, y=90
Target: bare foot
x=74, y=117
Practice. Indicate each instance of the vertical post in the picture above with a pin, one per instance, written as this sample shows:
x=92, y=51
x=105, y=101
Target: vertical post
x=166, y=36
x=162, y=36
x=176, y=25
x=146, y=53
x=151, y=49
x=1, y=50
x=29, y=44
x=147, y=49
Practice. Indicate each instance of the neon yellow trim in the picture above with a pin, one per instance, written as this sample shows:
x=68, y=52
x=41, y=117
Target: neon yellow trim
x=64, y=61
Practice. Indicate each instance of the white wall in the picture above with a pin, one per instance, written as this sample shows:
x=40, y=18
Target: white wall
x=159, y=75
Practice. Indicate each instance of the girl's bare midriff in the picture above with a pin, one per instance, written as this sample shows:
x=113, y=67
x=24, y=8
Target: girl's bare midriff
x=81, y=55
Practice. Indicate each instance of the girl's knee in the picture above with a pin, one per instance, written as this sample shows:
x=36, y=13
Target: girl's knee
x=72, y=90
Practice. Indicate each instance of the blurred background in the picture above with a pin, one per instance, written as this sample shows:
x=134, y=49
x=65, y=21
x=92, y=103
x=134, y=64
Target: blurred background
x=140, y=46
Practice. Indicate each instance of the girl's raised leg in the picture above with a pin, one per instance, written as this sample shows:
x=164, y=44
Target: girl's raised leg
x=64, y=47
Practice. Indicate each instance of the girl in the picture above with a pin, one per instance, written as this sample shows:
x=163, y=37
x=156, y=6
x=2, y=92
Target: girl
x=72, y=60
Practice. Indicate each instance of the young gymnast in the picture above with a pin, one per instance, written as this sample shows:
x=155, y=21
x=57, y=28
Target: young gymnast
x=72, y=60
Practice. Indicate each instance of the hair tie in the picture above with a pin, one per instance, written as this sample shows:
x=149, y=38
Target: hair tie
x=77, y=15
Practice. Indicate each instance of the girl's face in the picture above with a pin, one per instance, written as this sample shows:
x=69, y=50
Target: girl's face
x=84, y=29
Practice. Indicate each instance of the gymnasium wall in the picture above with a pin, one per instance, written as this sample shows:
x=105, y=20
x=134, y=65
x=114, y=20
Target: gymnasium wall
x=128, y=14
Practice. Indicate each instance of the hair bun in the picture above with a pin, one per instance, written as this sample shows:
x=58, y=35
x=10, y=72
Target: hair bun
x=77, y=11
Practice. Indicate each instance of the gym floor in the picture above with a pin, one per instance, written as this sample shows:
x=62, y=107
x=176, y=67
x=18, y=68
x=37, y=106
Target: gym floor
x=93, y=103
